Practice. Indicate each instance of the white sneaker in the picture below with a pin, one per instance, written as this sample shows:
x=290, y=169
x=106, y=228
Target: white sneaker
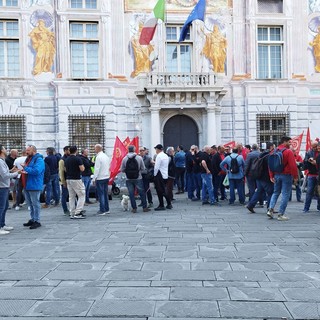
x=3, y=232
x=7, y=228
x=17, y=208
x=282, y=217
x=29, y=208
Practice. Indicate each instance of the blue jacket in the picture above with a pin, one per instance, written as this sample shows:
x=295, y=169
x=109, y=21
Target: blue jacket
x=35, y=170
x=227, y=160
x=180, y=159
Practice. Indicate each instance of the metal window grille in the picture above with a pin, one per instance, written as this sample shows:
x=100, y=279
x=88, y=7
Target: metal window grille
x=13, y=132
x=272, y=126
x=86, y=131
x=270, y=6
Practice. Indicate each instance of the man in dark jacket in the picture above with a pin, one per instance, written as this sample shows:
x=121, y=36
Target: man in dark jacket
x=251, y=182
x=264, y=184
x=219, y=175
x=53, y=185
x=86, y=174
x=33, y=172
x=310, y=164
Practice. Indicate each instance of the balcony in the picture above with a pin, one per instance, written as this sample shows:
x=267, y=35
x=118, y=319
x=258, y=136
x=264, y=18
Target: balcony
x=171, y=90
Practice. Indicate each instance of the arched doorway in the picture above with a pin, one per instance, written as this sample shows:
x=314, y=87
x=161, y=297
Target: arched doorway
x=180, y=130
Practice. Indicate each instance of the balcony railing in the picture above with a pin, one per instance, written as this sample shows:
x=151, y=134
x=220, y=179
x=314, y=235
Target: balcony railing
x=180, y=80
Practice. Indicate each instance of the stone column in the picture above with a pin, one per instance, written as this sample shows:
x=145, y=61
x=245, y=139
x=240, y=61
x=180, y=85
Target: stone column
x=155, y=127
x=211, y=126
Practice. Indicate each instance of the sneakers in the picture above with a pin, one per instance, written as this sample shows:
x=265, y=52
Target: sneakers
x=140, y=205
x=270, y=213
x=134, y=210
x=217, y=204
x=150, y=205
x=205, y=202
x=3, y=232
x=146, y=209
x=7, y=228
x=45, y=206
x=282, y=217
x=35, y=225
x=66, y=212
x=250, y=209
x=159, y=208
x=169, y=206
x=305, y=210
x=17, y=208
x=103, y=213
x=77, y=216
x=28, y=224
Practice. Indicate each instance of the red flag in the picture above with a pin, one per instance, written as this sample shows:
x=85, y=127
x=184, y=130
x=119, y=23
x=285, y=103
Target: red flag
x=135, y=142
x=126, y=142
x=296, y=143
x=119, y=152
x=230, y=144
x=308, y=140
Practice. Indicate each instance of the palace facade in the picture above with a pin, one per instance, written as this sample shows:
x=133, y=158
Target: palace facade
x=73, y=72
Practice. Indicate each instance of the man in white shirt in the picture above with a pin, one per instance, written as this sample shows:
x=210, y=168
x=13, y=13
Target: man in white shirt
x=161, y=177
x=18, y=184
x=101, y=178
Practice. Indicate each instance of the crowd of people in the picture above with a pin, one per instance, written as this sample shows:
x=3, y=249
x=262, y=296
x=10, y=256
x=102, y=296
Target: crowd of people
x=204, y=175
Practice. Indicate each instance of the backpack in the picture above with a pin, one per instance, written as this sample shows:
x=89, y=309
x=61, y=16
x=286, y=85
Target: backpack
x=256, y=170
x=132, y=168
x=275, y=160
x=234, y=165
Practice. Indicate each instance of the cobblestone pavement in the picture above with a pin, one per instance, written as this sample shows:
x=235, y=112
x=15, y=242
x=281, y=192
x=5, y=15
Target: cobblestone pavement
x=190, y=262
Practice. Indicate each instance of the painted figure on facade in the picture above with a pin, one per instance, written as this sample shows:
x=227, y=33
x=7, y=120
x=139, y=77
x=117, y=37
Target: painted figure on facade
x=43, y=42
x=215, y=49
x=141, y=54
x=316, y=50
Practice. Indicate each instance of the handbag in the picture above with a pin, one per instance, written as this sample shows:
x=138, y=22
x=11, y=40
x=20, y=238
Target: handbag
x=226, y=181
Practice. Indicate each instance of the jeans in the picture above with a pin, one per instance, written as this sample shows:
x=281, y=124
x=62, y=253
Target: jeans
x=190, y=184
x=86, y=181
x=283, y=185
x=131, y=185
x=53, y=185
x=239, y=185
x=207, y=188
x=33, y=200
x=146, y=186
x=180, y=178
x=64, y=197
x=251, y=186
x=262, y=188
x=4, y=205
x=102, y=190
x=312, y=183
x=197, y=180
x=218, y=179
x=298, y=193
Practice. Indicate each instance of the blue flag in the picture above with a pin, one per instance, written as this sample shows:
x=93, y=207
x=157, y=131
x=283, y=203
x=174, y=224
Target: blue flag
x=196, y=14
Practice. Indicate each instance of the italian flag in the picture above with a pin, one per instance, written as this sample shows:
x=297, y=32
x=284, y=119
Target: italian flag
x=150, y=25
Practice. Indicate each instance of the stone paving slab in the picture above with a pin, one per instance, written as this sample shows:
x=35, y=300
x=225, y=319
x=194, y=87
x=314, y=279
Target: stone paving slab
x=189, y=263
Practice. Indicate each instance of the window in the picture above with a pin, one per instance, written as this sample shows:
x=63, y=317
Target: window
x=83, y=4
x=9, y=48
x=86, y=131
x=270, y=6
x=178, y=54
x=13, y=132
x=270, y=52
x=8, y=3
x=84, y=48
x=271, y=127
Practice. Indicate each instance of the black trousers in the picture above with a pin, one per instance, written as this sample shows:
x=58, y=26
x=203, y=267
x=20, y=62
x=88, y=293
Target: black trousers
x=160, y=185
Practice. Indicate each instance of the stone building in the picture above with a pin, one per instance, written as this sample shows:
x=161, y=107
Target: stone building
x=72, y=72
